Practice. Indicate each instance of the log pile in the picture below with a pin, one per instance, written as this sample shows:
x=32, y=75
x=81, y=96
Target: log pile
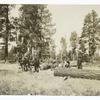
x=77, y=73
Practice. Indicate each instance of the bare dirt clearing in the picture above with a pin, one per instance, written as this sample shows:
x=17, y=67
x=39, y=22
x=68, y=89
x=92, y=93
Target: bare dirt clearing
x=15, y=82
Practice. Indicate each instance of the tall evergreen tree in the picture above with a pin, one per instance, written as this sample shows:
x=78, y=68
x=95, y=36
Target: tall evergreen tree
x=91, y=32
x=5, y=26
x=64, y=48
x=36, y=28
x=74, y=42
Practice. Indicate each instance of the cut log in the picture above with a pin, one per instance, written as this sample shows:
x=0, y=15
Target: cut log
x=45, y=66
x=77, y=73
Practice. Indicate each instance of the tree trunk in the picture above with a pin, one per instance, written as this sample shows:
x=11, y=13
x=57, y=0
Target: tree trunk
x=6, y=36
x=77, y=73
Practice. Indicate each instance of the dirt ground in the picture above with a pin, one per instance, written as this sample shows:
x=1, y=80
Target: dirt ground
x=15, y=82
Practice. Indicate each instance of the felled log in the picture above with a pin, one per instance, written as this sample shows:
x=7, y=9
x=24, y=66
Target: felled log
x=45, y=66
x=77, y=73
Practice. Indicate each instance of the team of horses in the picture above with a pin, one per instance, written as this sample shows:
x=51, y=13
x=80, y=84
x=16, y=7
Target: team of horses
x=28, y=63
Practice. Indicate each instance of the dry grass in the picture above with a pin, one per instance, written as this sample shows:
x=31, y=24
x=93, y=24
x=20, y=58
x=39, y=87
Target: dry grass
x=15, y=82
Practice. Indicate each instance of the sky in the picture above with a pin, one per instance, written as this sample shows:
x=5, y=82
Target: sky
x=68, y=18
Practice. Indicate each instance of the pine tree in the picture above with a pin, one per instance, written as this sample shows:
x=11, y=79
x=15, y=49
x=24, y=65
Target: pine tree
x=74, y=41
x=6, y=26
x=64, y=48
x=4, y=10
x=36, y=28
x=90, y=32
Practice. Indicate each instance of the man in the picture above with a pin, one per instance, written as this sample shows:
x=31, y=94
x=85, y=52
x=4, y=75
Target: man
x=67, y=64
x=36, y=64
x=19, y=55
x=26, y=61
x=79, y=61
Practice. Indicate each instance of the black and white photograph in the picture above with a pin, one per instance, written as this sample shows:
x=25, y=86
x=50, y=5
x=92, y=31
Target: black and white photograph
x=50, y=50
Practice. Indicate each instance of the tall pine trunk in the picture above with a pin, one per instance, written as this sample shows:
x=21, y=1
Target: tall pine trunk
x=6, y=36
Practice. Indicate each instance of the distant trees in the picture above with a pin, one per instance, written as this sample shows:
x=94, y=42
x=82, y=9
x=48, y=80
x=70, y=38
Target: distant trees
x=74, y=39
x=63, y=48
x=52, y=50
x=74, y=43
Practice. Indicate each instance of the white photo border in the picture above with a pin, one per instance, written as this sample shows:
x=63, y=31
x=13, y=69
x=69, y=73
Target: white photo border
x=70, y=2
